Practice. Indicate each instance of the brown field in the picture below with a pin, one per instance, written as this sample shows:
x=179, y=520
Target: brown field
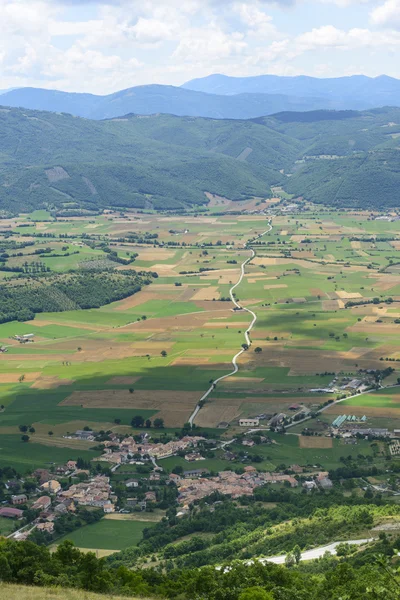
x=275, y=286
x=137, y=299
x=333, y=304
x=213, y=413
x=174, y=407
x=317, y=292
x=14, y=377
x=347, y=295
x=207, y=293
x=308, y=441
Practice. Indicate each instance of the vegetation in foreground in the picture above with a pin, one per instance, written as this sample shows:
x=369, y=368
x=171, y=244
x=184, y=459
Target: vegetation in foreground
x=358, y=578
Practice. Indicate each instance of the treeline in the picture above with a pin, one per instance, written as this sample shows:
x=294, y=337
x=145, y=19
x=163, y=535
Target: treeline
x=29, y=564
x=68, y=292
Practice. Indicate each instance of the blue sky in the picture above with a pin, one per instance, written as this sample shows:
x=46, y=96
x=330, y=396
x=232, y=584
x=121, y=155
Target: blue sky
x=101, y=46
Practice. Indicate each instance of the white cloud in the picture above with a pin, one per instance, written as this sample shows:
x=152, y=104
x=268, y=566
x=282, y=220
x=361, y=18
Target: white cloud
x=387, y=14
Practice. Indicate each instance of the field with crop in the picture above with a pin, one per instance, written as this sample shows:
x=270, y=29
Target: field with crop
x=323, y=284
x=108, y=534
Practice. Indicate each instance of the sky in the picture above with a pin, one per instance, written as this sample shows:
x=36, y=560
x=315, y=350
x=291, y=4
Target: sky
x=101, y=46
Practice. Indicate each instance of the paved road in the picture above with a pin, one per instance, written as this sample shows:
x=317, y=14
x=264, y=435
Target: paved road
x=315, y=552
x=246, y=333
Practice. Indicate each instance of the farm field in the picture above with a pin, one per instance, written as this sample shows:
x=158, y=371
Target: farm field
x=108, y=534
x=323, y=284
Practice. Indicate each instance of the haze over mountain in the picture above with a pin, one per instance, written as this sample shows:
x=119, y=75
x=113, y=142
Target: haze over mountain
x=218, y=97
x=355, y=92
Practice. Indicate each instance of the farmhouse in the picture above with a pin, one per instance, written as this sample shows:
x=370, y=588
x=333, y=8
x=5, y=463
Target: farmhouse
x=131, y=483
x=195, y=472
x=249, y=422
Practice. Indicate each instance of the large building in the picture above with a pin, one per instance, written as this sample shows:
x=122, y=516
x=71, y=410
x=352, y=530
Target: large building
x=249, y=422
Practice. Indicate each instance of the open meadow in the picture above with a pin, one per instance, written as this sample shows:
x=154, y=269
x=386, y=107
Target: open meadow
x=325, y=287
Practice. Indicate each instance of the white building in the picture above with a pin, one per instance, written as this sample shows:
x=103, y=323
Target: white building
x=249, y=422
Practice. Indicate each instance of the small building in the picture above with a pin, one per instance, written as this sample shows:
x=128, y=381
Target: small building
x=309, y=485
x=249, y=422
x=325, y=483
x=61, y=509
x=19, y=499
x=151, y=496
x=84, y=435
x=109, y=508
x=296, y=468
x=71, y=464
x=11, y=513
x=42, y=503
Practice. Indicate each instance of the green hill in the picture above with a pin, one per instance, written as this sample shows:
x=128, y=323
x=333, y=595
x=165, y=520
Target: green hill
x=163, y=162
x=52, y=160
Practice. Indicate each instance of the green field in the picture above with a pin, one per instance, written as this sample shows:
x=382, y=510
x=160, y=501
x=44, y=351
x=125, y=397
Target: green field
x=108, y=534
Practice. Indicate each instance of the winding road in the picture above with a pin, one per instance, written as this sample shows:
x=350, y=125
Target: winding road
x=246, y=333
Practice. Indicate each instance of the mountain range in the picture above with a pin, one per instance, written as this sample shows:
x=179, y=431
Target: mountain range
x=165, y=162
x=218, y=97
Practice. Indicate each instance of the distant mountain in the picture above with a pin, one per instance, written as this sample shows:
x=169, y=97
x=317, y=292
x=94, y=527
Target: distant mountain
x=153, y=99
x=356, y=92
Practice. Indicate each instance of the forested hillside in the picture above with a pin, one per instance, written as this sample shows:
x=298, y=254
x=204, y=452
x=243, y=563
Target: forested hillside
x=163, y=162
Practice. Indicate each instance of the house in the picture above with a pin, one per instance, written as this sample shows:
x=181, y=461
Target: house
x=294, y=407
x=109, y=508
x=135, y=503
x=248, y=443
x=52, y=486
x=193, y=456
x=151, y=496
x=61, y=509
x=250, y=469
x=223, y=425
x=131, y=483
x=19, y=499
x=277, y=419
x=174, y=477
x=42, y=503
x=195, y=472
x=309, y=485
x=71, y=464
x=249, y=422
x=11, y=513
x=84, y=435
x=47, y=527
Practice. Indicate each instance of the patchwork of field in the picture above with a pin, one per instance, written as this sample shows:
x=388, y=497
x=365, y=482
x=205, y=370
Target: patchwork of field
x=324, y=286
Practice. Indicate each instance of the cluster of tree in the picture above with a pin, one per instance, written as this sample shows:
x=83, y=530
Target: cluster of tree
x=67, y=292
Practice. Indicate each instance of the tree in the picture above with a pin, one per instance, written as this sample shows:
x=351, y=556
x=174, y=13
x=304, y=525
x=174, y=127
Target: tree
x=245, y=346
x=255, y=593
x=297, y=554
x=137, y=421
x=32, y=430
x=51, y=433
x=131, y=390
x=163, y=353
x=25, y=438
x=117, y=421
x=148, y=424
x=23, y=428
x=159, y=423
x=258, y=350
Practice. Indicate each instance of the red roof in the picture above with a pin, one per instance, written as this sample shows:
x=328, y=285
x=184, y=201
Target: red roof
x=11, y=512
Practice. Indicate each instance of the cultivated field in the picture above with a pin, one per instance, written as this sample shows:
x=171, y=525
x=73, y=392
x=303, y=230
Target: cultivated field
x=155, y=353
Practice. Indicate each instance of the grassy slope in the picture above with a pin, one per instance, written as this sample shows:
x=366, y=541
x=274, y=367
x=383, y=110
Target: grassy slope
x=19, y=592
